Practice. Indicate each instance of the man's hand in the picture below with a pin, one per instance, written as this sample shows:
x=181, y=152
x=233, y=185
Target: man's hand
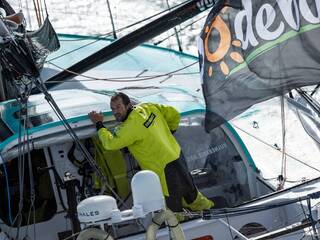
x=95, y=117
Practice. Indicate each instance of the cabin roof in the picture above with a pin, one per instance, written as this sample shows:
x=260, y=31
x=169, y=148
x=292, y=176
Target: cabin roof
x=76, y=104
x=146, y=61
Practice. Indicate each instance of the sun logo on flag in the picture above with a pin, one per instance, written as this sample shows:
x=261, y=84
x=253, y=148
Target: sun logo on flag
x=219, y=29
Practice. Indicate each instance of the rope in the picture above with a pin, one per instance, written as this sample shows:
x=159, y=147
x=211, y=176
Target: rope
x=315, y=90
x=283, y=176
x=21, y=166
x=41, y=11
x=111, y=19
x=122, y=79
x=229, y=226
x=45, y=7
x=31, y=179
x=36, y=12
x=175, y=30
x=311, y=218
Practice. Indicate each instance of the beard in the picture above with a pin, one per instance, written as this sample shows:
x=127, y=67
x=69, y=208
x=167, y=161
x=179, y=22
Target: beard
x=119, y=118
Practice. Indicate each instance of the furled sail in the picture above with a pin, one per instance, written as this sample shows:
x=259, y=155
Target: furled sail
x=22, y=53
x=258, y=52
x=44, y=41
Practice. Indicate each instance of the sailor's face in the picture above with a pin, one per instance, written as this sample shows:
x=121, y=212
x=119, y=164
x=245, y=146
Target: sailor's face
x=119, y=109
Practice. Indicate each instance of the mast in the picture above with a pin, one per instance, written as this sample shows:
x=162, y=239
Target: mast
x=135, y=38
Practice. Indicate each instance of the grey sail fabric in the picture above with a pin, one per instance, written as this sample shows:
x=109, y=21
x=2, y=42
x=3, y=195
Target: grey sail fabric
x=263, y=50
x=43, y=41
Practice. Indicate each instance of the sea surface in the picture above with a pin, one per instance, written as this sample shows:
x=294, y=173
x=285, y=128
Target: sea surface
x=91, y=17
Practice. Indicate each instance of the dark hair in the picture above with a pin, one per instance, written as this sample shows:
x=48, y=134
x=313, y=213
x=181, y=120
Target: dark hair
x=125, y=99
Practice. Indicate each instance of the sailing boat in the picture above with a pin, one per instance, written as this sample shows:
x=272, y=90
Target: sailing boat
x=46, y=176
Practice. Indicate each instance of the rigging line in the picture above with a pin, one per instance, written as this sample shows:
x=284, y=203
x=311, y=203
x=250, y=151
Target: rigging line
x=40, y=11
x=154, y=76
x=307, y=232
x=315, y=90
x=112, y=23
x=298, y=215
x=76, y=49
x=271, y=146
x=229, y=226
x=106, y=35
x=21, y=161
x=39, y=14
x=31, y=176
x=133, y=79
x=283, y=175
x=36, y=12
x=304, y=234
x=237, y=211
x=287, y=180
x=302, y=212
x=45, y=7
x=312, y=219
x=180, y=30
x=21, y=167
x=175, y=30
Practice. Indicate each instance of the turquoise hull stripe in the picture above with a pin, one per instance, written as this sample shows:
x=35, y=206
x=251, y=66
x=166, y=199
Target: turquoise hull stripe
x=183, y=114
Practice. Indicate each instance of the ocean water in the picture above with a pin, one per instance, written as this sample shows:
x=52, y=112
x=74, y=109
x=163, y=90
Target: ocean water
x=91, y=17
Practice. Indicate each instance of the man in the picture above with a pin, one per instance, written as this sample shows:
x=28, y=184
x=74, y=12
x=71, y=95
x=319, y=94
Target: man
x=146, y=130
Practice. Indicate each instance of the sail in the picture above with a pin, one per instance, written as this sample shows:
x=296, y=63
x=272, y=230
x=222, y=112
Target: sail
x=43, y=41
x=258, y=52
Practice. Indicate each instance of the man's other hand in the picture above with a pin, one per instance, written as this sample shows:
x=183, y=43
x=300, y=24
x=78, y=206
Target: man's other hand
x=95, y=117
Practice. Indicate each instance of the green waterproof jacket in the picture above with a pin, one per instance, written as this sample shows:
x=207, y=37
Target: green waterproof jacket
x=147, y=134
